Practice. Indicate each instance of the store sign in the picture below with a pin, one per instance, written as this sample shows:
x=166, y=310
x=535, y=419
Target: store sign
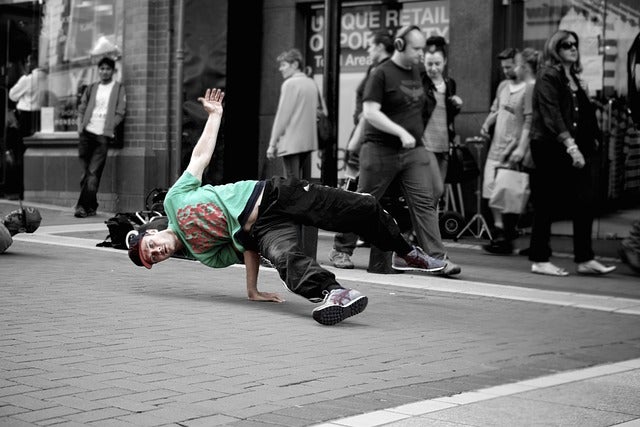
x=359, y=24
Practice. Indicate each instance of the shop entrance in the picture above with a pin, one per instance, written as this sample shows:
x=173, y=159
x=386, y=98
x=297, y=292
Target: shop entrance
x=19, y=28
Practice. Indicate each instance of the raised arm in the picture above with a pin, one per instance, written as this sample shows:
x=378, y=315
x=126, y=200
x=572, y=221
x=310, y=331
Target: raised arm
x=202, y=152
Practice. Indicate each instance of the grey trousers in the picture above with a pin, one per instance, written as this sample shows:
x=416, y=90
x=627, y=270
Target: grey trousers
x=379, y=166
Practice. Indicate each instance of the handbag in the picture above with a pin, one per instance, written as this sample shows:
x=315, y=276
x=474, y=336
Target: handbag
x=511, y=191
x=324, y=127
x=462, y=165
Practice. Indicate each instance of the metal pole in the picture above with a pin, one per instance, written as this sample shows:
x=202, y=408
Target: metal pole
x=177, y=162
x=331, y=88
x=168, y=143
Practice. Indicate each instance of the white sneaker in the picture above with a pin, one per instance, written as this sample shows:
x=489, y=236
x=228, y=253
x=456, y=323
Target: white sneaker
x=338, y=305
x=593, y=267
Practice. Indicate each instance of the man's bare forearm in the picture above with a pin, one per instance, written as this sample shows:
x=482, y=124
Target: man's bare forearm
x=202, y=152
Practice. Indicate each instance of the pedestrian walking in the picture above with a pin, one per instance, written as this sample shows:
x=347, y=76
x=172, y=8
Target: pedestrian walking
x=393, y=104
x=23, y=121
x=517, y=153
x=564, y=134
x=506, y=118
x=379, y=50
x=217, y=225
x=102, y=108
x=294, y=132
x=441, y=107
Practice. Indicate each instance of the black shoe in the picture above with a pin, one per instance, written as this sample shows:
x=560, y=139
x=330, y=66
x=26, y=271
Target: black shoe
x=80, y=212
x=499, y=247
x=524, y=251
x=91, y=212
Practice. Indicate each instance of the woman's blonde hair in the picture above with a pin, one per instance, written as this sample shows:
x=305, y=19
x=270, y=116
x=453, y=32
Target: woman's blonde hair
x=552, y=46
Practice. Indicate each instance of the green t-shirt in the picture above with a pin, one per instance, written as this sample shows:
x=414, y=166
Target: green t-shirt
x=205, y=218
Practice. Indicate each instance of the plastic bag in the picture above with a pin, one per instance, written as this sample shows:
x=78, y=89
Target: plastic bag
x=511, y=191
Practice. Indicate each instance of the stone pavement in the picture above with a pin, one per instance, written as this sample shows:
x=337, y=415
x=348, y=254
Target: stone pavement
x=88, y=339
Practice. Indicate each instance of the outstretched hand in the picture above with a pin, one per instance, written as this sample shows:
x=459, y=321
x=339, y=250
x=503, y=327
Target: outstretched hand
x=212, y=101
x=266, y=296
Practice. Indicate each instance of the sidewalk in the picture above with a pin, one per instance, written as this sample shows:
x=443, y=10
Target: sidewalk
x=605, y=395
x=603, y=392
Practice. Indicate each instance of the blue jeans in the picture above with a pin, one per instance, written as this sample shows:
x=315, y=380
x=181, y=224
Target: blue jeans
x=92, y=151
x=379, y=166
x=287, y=203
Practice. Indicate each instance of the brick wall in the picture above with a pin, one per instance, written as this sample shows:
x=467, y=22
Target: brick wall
x=148, y=63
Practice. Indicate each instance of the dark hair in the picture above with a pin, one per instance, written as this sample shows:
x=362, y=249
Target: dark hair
x=107, y=61
x=508, y=53
x=532, y=57
x=291, y=56
x=437, y=44
x=384, y=38
x=552, y=46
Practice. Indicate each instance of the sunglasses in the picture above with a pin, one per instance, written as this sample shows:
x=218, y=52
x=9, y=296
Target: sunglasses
x=568, y=45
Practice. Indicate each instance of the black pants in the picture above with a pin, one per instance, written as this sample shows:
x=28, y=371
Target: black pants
x=289, y=202
x=558, y=188
x=92, y=150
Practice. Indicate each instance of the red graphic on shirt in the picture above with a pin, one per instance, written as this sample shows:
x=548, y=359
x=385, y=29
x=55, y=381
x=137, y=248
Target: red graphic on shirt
x=203, y=225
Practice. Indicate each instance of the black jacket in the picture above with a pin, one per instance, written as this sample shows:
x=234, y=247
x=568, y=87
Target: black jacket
x=430, y=104
x=555, y=110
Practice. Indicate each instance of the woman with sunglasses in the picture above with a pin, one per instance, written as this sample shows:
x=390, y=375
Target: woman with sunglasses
x=564, y=134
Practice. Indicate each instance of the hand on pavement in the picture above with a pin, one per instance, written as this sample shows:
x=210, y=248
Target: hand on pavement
x=266, y=296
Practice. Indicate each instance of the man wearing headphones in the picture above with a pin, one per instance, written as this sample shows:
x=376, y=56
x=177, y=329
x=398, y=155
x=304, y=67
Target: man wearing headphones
x=393, y=103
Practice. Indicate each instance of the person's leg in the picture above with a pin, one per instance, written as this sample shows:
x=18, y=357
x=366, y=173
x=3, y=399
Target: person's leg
x=292, y=166
x=443, y=165
x=86, y=147
x=94, y=172
x=436, y=181
x=492, y=216
x=582, y=214
x=277, y=237
x=377, y=170
x=414, y=181
x=338, y=210
x=539, y=249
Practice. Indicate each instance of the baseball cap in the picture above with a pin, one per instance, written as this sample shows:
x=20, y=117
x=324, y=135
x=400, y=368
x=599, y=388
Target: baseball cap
x=134, y=243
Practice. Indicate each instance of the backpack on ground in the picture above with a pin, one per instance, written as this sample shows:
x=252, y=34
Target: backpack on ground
x=124, y=222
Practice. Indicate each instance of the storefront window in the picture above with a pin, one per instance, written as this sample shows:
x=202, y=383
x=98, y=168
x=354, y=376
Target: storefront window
x=606, y=30
x=74, y=35
x=358, y=24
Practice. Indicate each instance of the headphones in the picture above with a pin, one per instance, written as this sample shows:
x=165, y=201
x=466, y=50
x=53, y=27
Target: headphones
x=399, y=43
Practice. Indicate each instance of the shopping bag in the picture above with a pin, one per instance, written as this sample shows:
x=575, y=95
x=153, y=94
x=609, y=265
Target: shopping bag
x=324, y=126
x=324, y=130
x=511, y=191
